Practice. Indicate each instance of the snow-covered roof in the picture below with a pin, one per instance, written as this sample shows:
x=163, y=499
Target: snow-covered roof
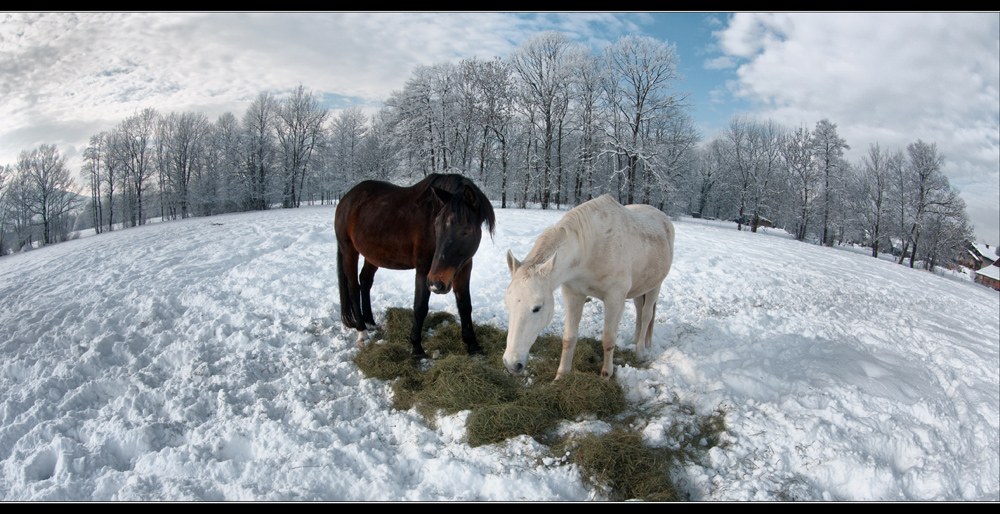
x=985, y=251
x=991, y=272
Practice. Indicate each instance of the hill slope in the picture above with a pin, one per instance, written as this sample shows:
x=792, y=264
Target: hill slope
x=204, y=359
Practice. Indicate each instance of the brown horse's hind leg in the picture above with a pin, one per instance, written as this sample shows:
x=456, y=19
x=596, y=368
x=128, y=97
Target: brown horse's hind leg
x=367, y=279
x=464, y=301
x=350, y=290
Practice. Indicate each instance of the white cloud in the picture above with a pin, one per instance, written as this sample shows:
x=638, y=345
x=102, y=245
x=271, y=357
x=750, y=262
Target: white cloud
x=891, y=78
x=720, y=63
x=62, y=69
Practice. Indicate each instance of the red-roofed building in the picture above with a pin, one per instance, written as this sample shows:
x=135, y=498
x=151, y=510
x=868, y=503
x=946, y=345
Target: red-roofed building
x=989, y=276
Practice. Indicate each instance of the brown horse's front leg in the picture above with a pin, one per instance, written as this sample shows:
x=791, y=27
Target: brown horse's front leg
x=421, y=295
x=464, y=301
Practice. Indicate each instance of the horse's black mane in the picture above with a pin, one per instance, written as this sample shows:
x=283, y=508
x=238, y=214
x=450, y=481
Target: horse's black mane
x=458, y=185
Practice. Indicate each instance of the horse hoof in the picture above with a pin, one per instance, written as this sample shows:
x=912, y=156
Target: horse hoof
x=418, y=356
x=364, y=336
x=476, y=350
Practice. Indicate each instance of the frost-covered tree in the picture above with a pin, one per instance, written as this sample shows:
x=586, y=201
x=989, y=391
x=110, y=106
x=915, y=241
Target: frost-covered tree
x=136, y=154
x=300, y=130
x=640, y=79
x=343, y=152
x=51, y=193
x=828, y=151
x=258, y=151
x=93, y=164
x=870, y=195
x=545, y=64
x=181, y=150
x=802, y=175
x=929, y=190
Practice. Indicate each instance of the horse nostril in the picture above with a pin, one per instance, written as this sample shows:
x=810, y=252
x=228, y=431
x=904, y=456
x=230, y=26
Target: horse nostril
x=518, y=368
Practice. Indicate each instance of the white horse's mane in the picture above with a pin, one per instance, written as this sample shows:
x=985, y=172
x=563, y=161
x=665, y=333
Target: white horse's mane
x=576, y=223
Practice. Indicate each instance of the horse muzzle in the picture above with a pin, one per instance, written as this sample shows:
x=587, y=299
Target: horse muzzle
x=439, y=287
x=513, y=366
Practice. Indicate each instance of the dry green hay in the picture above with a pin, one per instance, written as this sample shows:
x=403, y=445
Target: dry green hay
x=457, y=383
x=504, y=405
x=495, y=423
x=587, y=393
x=386, y=360
x=620, y=462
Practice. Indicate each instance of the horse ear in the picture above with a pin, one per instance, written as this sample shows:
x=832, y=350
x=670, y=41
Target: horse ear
x=442, y=195
x=471, y=200
x=546, y=266
x=512, y=263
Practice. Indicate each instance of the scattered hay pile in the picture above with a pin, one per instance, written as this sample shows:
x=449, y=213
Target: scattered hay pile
x=504, y=405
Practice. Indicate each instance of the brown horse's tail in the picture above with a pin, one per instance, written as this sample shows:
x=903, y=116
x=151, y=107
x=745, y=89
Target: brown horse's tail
x=346, y=306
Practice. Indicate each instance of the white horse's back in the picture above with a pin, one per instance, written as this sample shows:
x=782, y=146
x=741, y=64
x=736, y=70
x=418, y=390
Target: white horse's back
x=629, y=247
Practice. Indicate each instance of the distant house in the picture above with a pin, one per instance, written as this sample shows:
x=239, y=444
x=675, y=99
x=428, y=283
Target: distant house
x=989, y=276
x=761, y=221
x=976, y=256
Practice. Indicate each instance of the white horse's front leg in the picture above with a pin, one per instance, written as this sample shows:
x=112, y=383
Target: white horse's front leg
x=574, y=311
x=614, y=305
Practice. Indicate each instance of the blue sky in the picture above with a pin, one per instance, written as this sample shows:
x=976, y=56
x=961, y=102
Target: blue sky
x=886, y=78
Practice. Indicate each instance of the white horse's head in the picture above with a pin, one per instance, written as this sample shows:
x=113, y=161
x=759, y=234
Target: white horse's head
x=530, y=304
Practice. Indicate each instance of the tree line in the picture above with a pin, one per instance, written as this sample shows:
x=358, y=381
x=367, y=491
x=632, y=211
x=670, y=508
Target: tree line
x=551, y=124
x=756, y=171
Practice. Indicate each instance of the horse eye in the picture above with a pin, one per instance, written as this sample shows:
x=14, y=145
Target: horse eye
x=536, y=308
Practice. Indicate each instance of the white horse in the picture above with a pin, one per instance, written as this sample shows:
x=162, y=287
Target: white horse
x=598, y=249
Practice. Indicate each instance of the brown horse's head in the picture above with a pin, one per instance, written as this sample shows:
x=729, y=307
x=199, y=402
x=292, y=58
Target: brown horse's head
x=457, y=231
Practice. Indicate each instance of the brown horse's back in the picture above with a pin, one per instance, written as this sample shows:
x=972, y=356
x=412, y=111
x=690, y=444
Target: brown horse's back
x=384, y=214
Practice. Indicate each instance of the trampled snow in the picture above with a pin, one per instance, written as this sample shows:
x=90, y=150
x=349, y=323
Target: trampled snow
x=204, y=359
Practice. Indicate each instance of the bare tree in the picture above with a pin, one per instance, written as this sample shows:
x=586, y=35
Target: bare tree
x=347, y=136
x=181, y=145
x=828, y=150
x=490, y=93
x=93, y=162
x=19, y=195
x=300, y=129
x=588, y=111
x=258, y=151
x=545, y=63
x=797, y=153
x=136, y=137
x=929, y=189
x=872, y=186
x=53, y=194
x=6, y=177
x=640, y=87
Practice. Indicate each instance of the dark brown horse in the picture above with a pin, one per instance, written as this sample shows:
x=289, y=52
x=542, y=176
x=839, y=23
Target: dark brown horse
x=434, y=226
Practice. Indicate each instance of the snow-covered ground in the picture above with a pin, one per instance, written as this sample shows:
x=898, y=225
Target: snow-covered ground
x=204, y=360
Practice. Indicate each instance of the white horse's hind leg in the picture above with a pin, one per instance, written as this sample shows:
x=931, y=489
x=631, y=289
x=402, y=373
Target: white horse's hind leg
x=649, y=333
x=638, y=301
x=644, y=323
